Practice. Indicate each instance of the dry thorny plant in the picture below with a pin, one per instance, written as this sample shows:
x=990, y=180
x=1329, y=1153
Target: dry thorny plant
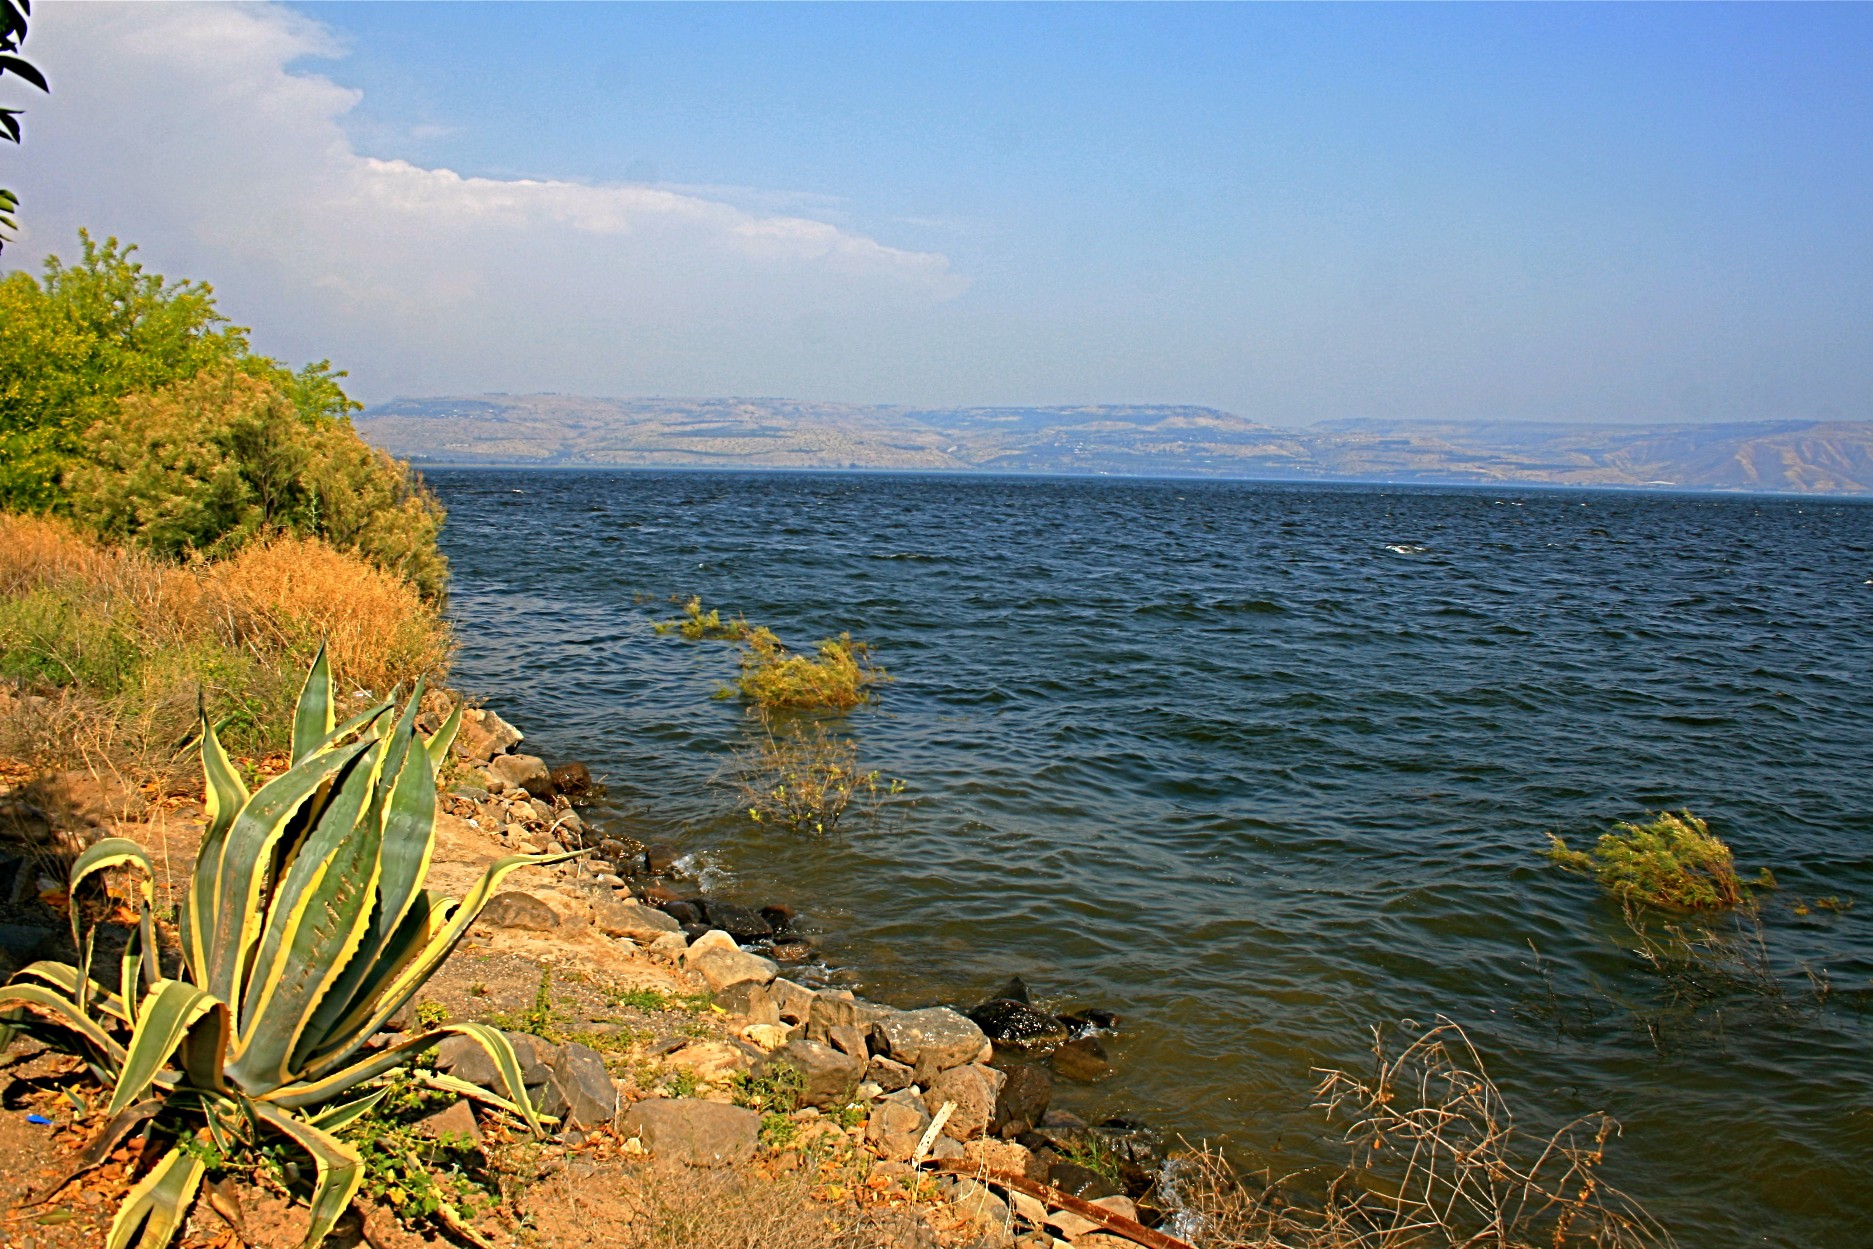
x=1438, y=1162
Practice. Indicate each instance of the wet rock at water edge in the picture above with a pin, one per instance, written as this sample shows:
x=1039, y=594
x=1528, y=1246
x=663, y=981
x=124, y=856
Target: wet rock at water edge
x=696, y=1132
x=780, y=917
x=791, y=950
x=1007, y=1021
x=1087, y=1021
x=574, y=782
x=738, y=922
x=514, y=909
x=1082, y=1059
x=682, y=911
x=1071, y=1177
x=660, y=857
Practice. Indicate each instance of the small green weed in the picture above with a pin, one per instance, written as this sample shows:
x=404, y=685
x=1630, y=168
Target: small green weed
x=1091, y=1151
x=540, y=1019
x=1673, y=863
x=849, y=1115
x=657, y=999
x=429, y=1014
x=681, y=1084
x=418, y=1175
x=776, y=1091
x=777, y=1130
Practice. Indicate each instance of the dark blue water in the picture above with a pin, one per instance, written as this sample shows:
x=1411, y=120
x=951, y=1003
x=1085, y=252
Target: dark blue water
x=1262, y=766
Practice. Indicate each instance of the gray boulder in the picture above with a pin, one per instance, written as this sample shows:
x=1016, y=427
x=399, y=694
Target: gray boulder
x=888, y=1075
x=1023, y=1099
x=719, y=961
x=895, y=1125
x=514, y=909
x=830, y=1077
x=590, y=1095
x=931, y=1040
x=837, y=1008
x=466, y=1060
x=750, y=1001
x=793, y=1001
x=526, y=772
x=484, y=735
x=616, y=917
x=973, y=1089
x=702, y=1134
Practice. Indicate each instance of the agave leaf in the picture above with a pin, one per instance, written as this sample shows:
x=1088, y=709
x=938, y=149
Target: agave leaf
x=438, y=746
x=340, y=1169
x=313, y=716
x=106, y=853
x=409, y=828
x=127, y=968
x=339, y=1027
x=100, y=1148
x=474, y=1092
x=400, y=988
x=317, y=918
x=234, y=923
x=491, y=1040
x=333, y=1118
x=205, y=1048
x=64, y=1012
x=362, y=721
x=64, y=976
x=225, y=796
x=164, y=1019
x=155, y=1205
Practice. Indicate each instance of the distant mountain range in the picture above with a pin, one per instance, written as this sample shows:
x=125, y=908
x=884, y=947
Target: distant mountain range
x=566, y=431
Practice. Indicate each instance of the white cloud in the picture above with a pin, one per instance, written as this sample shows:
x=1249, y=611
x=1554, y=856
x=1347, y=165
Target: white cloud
x=187, y=129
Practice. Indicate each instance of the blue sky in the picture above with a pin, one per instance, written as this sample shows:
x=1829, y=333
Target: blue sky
x=1585, y=212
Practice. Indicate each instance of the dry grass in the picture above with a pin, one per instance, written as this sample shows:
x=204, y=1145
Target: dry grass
x=1438, y=1162
x=107, y=649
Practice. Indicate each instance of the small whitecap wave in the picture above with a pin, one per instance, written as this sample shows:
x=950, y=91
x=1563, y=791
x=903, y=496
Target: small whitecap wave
x=1407, y=548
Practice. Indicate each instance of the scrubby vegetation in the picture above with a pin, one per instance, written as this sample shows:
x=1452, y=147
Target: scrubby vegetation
x=1437, y=1161
x=109, y=649
x=1672, y=862
x=129, y=404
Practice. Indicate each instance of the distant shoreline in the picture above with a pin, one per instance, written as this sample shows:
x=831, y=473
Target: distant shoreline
x=424, y=465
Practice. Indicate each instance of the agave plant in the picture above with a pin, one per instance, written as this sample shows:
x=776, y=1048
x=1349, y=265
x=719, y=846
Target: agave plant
x=305, y=928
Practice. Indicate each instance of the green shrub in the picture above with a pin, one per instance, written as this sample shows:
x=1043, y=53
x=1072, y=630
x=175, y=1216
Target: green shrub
x=305, y=927
x=807, y=780
x=1672, y=862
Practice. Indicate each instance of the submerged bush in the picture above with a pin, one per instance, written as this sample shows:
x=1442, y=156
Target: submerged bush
x=1672, y=862
x=698, y=625
x=774, y=678
x=807, y=781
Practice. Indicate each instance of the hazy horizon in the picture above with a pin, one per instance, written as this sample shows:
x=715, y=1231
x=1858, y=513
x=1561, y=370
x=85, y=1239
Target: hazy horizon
x=1619, y=214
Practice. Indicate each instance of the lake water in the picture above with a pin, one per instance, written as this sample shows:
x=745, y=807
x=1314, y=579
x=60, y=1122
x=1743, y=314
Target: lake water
x=1261, y=766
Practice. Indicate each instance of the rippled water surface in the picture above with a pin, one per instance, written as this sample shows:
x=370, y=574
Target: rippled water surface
x=1261, y=766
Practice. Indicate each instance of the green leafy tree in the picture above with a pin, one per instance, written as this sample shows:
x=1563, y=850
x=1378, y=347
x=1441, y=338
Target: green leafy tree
x=13, y=18
x=131, y=403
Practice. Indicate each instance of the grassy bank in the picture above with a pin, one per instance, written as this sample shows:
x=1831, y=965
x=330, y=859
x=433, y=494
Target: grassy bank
x=105, y=649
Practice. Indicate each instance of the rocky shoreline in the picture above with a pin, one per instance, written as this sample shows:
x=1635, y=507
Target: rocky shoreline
x=970, y=1087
